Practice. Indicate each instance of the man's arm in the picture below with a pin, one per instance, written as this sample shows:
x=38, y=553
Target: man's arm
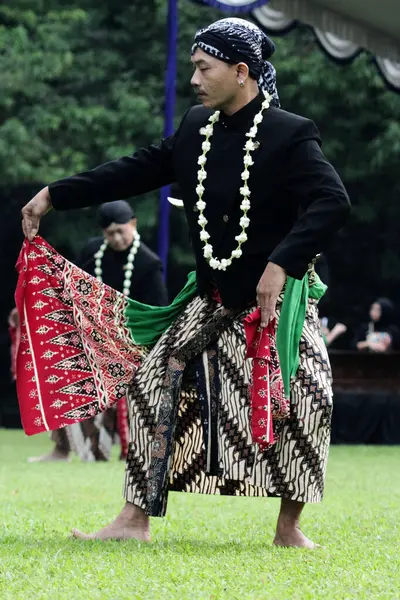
x=317, y=189
x=148, y=169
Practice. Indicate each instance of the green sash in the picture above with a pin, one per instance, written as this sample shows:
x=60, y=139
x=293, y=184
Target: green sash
x=148, y=323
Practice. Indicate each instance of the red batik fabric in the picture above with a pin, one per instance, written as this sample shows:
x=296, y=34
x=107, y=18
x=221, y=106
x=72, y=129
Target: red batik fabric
x=76, y=357
x=267, y=395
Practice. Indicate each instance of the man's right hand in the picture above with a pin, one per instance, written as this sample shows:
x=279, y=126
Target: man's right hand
x=34, y=211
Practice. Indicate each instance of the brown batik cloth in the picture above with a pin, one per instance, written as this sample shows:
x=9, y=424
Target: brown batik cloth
x=91, y=440
x=192, y=433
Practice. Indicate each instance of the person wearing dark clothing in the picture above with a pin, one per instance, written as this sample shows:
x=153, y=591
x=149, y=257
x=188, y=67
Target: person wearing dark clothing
x=121, y=259
x=380, y=334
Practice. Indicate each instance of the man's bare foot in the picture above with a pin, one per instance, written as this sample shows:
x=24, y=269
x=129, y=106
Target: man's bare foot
x=293, y=538
x=288, y=532
x=54, y=456
x=132, y=522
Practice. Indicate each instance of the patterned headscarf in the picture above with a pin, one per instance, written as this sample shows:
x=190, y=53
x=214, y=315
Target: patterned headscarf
x=236, y=40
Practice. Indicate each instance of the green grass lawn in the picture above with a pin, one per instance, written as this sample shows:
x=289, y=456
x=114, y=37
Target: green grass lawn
x=207, y=547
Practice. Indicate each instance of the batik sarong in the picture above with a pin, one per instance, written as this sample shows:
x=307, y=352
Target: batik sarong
x=190, y=415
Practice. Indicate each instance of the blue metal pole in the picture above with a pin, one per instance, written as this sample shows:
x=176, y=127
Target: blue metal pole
x=170, y=100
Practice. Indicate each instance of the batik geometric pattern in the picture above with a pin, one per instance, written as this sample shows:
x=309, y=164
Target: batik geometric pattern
x=168, y=451
x=76, y=357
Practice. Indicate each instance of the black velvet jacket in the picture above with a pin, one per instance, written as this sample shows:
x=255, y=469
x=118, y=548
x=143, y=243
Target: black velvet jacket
x=297, y=199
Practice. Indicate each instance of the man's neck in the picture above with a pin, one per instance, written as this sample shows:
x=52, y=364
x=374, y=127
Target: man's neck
x=245, y=97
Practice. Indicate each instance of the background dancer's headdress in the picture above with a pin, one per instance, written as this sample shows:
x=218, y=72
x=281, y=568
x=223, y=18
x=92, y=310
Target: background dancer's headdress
x=119, y=212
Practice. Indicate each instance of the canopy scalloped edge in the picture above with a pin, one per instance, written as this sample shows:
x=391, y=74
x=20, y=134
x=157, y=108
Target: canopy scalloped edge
x=341, y=49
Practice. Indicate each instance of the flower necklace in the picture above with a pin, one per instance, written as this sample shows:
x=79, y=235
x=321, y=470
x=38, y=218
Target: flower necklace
x=216, y=263
x=129, y=264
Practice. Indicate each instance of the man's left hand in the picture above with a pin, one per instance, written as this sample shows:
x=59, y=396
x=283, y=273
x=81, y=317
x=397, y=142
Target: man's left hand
x=269, y=287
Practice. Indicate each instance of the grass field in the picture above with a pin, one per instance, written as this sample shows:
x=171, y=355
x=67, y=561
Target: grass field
x=206, y=547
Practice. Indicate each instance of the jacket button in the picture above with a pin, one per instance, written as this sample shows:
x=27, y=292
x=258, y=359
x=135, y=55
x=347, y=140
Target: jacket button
x=225, y=218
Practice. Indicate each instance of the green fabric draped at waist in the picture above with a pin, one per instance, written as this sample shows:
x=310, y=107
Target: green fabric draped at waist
x=148, y=323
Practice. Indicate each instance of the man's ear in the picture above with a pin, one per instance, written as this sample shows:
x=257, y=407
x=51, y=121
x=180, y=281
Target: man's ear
x=242, y=72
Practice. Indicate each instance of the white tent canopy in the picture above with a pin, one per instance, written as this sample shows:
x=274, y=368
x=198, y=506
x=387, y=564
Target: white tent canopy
x=343, y=27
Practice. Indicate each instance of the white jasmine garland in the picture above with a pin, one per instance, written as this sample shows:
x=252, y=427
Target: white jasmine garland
x=250, y=146
x=201, y=175
x=98, y=271
x=237, y=253
x=214, y=263
x=242, y=237
x=200, y=189
x=253, y=132
x=202, y=220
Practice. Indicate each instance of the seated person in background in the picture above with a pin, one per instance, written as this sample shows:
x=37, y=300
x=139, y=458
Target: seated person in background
x=330, y=335
x=380, y=334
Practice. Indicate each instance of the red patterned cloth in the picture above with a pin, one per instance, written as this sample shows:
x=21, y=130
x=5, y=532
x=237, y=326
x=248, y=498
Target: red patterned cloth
x=267, y=396
x=76, y=357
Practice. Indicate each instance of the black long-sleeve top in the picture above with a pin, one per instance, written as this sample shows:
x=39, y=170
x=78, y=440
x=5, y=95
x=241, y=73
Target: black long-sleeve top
x=297, y=199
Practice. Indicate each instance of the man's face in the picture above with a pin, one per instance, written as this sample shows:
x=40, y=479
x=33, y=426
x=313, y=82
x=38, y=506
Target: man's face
x=214, y=81
x=120, y=236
